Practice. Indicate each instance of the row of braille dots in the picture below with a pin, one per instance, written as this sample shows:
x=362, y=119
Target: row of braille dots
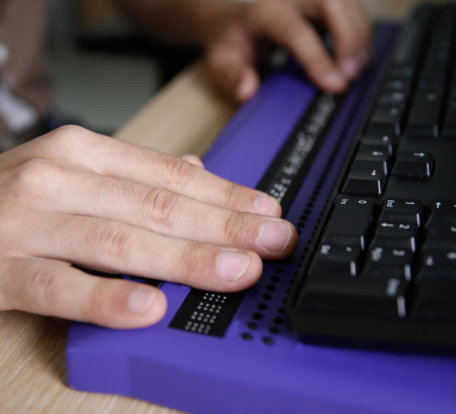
x=307, y=211
x=206, y=313
x=267, y=297
x=301, y=223
x=274, y=325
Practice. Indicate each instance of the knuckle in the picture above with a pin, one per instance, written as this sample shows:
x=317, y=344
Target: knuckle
x=159, y=206
x=97, y=305
x=238, y=229
x=111, y=239
x=67, y=133
x=231, y=194
x=191, y=262
x=68, y=137
x=70, y=132
x=178, y=172
x=34, y=172
x=43, y=285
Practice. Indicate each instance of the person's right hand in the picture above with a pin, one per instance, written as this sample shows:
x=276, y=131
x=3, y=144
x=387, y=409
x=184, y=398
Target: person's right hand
x=76, y=197
x=232, y=43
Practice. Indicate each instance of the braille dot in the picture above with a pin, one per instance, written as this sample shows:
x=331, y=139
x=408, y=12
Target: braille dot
x=270, y=288
x=266, y=296
x=252, y=325
x=257, y=316
x=278, y=320
x=275, y=279
x=262, y=306
x=274, y=330
x=268, y=340
x=279, y=269
x=247, y=336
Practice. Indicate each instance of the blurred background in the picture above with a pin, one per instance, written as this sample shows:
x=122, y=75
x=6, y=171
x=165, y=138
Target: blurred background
x=103, y=69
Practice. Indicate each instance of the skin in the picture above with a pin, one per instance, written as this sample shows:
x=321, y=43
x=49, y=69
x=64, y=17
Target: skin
x=76, y=197
x=73, y=197
x=231, y=33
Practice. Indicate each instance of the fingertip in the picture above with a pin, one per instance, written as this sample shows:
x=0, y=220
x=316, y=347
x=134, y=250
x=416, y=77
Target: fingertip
x=247, y=86
x=193, y=159
x=350, y=67
x=147, y=304
x=333, y=81
x=237, y=269
x=267, y=205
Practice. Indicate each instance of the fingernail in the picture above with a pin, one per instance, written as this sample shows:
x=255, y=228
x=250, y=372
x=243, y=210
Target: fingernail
x=274, y=235
x=246, y=88
x=334, y=80
x=350, y=67
x=265, y=205
x=231, y=265
x=140, y=299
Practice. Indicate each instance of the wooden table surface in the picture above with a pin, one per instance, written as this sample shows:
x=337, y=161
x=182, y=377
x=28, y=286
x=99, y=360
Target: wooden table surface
x=183, y=118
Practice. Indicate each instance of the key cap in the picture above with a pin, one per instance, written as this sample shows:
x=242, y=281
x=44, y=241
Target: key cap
x=396, y=242
x=384, y=297
x=424, y=114
x=388, y=142
x=389, y=262
x=365, y=179
x=435, y=289
x=338, y=259
x=350, y=220
x=400, y=210
x=413, y=164
x=386, y=120
x=376, y=153
x=398, y=99
x=443, y=207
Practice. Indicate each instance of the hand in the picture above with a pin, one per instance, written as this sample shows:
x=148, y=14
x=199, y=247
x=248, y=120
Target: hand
x=232, y=51
x=76, y=197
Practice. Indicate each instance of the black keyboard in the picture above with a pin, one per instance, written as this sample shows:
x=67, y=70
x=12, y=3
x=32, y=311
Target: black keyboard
x=382, y=266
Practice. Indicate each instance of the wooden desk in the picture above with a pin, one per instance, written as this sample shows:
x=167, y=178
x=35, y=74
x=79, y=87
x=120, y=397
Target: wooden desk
x=183, y=118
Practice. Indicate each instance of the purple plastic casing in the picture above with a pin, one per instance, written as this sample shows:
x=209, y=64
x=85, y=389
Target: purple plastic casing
x=272, y=371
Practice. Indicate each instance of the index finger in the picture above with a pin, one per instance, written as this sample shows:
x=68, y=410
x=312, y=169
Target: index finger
x=283, y=23
x=111, y=157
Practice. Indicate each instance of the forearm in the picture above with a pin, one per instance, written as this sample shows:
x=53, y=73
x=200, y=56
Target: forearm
x=182, y=21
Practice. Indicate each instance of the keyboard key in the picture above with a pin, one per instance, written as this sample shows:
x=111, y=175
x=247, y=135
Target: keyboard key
x=350, y=219
x=443, y=207
x=402, y=210
x=365, y=178
x=396, y=242
x=425, y=114
x=375, y=153
x=389, y=262
x=388, y=142
x=435, y=289
x=385, y=297
x=396, y=229
x=386, y=120
x=339, y=259
x=413, y=164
